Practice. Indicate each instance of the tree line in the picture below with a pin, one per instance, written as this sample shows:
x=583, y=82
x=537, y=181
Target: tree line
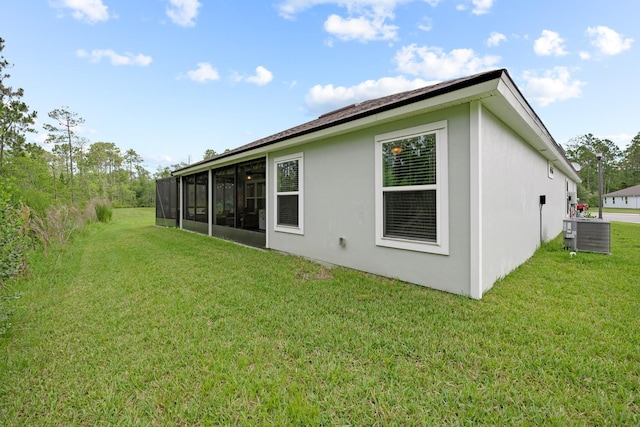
x=75, y=170
x=620, y=167
x=47, y=194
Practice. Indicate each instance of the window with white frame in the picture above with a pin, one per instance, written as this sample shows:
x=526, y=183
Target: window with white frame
x=412, y=189
x=289, y=194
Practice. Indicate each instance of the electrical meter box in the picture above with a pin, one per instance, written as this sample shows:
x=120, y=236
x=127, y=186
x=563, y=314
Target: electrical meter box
x=569, y=234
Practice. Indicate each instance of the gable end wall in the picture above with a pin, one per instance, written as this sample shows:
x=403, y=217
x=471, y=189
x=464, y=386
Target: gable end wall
x=514, y=175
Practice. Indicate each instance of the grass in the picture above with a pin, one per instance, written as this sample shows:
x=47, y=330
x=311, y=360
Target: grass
x=137, y=325
x=617, y=210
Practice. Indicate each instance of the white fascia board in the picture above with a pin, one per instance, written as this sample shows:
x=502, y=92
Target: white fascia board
x=446, y=100
x=532, y=130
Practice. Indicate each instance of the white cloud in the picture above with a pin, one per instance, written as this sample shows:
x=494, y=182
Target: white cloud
x=619, y=139
x=608, y=41
x=365, y=20
x=323, y=98
x=361, y=28
x=203, y=73
x=90, y=11
x=481, y=6
x=183, y=12
x=554, y=85
x=290, y=8
x=584, y=55
x=262, y=76
x=116, y=59
x=549, y=43
x=495, y=39
x=157, y=161
x=426, y=24
x=434, y=63
x=41, y=139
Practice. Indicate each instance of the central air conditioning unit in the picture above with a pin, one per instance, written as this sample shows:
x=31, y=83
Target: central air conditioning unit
x=587, y=235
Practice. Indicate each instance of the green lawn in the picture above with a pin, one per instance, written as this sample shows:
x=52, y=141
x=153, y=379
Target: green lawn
x=615, y=210
x=137, y=325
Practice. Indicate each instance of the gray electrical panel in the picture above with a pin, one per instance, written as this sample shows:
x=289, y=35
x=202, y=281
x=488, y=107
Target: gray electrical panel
x=587, y=235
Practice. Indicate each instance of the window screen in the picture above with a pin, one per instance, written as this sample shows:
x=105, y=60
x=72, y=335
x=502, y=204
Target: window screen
x=287, y=189
x=288, y=176
x=288, y=186
x=288, y=210
x=410, y=161
x=410, y=215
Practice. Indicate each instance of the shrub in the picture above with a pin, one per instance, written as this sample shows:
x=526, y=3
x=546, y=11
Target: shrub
x=592, y=199
x=14, y=238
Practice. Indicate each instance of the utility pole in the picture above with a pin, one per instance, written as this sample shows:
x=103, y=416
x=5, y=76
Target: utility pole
x=599, y=159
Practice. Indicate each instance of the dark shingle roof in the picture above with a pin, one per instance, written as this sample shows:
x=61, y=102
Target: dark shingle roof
x=364, y=109
x=630, y=191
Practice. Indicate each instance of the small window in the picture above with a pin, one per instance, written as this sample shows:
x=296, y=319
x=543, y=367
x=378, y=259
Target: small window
x=289, y=195
x=550, y=170
x=412, y=189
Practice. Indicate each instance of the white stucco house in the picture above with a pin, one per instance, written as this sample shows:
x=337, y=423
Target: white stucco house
x=450, y=186
x=626, y=198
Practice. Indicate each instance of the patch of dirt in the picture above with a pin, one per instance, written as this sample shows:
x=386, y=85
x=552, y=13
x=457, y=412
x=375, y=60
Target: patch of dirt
x=308, y=276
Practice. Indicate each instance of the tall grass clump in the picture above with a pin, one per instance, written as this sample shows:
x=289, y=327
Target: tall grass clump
x=59, y=223
x=22, y=226
x=103, y=212
x=56, y=225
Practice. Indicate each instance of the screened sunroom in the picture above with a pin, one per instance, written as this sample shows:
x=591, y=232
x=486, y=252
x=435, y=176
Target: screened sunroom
x=167, y=209
x=227, y=202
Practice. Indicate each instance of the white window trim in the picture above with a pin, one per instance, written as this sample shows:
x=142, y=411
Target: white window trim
x=283, y=228
x=441, y=245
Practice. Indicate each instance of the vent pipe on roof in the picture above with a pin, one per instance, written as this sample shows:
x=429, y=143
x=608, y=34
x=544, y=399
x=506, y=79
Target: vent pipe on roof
x=330, y=113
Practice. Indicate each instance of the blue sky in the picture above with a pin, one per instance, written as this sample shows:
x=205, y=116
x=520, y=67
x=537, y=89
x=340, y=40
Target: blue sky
x=172, y=78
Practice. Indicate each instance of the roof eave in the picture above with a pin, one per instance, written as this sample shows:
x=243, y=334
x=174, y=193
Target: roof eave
x=513, y=109
x=495, y=89
x=406, y=108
